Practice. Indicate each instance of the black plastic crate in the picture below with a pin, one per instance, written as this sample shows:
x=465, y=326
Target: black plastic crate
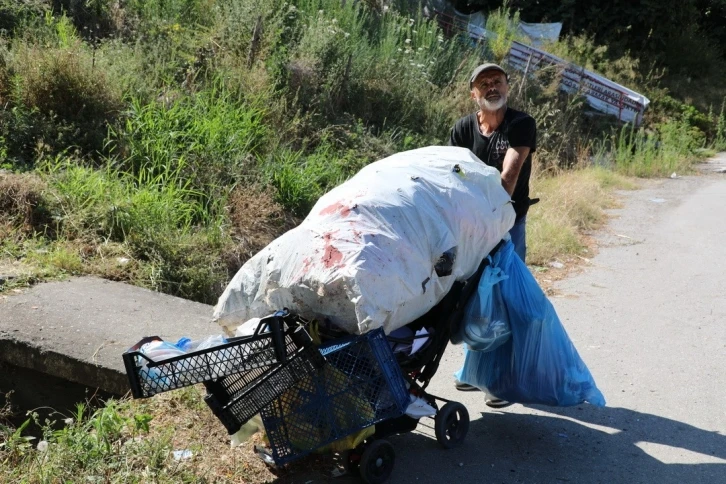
x=271, y=345
x=360, y=385
x=237, y=398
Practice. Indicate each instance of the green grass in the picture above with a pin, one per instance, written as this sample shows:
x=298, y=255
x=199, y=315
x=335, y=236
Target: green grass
x=110, y=443
x=172, y=235
x=672, y=148
x=207, y=138
x=126, y=441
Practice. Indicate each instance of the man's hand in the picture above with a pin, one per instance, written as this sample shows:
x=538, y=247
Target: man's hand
x=513, y=161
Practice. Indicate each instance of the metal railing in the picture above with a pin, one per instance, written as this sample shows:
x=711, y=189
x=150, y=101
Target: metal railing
x=601, y=93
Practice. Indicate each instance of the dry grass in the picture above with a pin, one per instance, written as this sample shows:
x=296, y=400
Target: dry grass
x=20, y=197
x=194, y=427
x=257, y=219
x=64, y=81
x=573, y=204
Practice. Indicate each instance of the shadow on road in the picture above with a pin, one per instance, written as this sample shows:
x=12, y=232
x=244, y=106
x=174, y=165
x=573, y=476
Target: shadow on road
x=580, y=444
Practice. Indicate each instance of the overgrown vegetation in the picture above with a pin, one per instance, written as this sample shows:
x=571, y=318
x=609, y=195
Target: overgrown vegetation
x=140, y=120
x=145, y=129
x=126, y=441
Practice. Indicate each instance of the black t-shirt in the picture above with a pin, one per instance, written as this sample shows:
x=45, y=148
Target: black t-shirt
x=516, y=130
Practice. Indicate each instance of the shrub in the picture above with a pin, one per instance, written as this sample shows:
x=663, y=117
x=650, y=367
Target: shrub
x=584, y=52
x=502, y=31
x=93, y=18
x=22, y=203
x=184, y=12
x=16, y=13
x=59, y=99
x=63, y=81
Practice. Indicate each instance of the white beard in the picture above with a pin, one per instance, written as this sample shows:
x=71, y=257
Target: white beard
x=491, y=106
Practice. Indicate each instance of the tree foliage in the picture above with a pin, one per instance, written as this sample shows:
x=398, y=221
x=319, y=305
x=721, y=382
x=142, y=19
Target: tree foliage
x=646, y=28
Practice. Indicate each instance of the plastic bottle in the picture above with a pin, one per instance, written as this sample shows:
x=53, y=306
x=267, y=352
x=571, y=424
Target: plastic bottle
x=217, y=370
x=160, y=350
x=188, y=345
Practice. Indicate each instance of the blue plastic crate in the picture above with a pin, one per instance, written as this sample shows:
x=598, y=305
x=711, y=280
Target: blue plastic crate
x=361, y=386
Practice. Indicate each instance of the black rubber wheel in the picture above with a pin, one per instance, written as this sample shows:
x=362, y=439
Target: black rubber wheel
x=376, y=463
x=451, y=425
x=350, y=459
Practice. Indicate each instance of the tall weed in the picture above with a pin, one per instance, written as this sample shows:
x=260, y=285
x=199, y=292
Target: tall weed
x=15, y=15
x=301, y=179
x=383, y=68
x=59, y=98
x=637, y=152
x=209, y=139
x=176, y=237
x=502, y=27
x=720, y=135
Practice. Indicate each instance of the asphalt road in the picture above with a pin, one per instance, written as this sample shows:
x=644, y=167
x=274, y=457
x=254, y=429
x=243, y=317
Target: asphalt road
x=648, y=316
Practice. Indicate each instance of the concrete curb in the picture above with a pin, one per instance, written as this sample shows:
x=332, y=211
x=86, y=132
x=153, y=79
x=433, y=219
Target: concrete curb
x=78, y=329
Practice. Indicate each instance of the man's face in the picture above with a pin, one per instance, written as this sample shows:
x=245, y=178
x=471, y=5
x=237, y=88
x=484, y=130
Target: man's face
x=490, y=90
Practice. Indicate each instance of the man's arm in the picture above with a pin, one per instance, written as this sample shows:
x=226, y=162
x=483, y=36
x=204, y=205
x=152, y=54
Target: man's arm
x=513, y=161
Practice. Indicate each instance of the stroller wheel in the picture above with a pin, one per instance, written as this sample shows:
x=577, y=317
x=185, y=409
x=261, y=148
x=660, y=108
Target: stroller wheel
x=376, y=463
x=451, y=425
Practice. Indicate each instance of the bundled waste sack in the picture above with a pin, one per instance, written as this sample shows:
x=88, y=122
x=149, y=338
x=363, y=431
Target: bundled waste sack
x=485, y=324
x=381, y=249
x=538, y=364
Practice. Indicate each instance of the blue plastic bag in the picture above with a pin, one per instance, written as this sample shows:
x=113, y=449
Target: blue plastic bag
x=539, y=364
x=485, y=325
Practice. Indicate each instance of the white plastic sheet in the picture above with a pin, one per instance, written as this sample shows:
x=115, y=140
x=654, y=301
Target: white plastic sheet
x=540, y=33
x=364, y=257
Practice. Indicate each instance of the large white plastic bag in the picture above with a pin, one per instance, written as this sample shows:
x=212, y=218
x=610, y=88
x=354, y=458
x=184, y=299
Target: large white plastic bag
x=485, y=324
x=364, y=257
x=539, y=364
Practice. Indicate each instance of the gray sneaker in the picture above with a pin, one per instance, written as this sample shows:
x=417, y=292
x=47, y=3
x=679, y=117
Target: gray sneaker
x=490, y=401
x=465, y=387
x=495, y=402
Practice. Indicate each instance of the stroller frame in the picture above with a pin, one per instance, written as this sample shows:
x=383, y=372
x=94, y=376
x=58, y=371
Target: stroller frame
x=374, y=458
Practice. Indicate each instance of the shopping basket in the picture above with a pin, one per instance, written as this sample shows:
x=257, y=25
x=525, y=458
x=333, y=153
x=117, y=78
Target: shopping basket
x=273, y=344
x=360, y=385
